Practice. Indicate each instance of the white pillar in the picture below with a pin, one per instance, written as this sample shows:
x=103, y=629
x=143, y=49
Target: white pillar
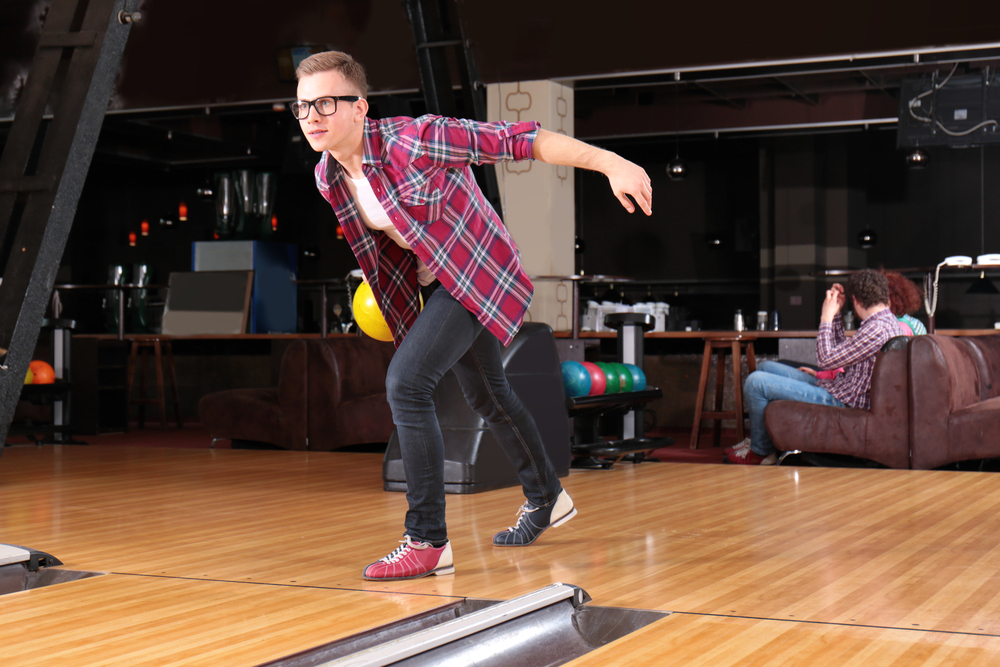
x=539, y=199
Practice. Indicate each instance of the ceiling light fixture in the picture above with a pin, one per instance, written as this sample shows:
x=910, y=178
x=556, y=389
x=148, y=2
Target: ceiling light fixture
x=917, y=159
x=676, y=168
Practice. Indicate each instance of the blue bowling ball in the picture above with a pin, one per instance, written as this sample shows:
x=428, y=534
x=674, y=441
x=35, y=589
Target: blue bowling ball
x=638, y=377
x=576, y=379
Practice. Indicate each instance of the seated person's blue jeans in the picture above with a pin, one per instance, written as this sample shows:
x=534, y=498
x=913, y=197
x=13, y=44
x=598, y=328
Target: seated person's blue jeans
x=775, y=381
x=447, y=336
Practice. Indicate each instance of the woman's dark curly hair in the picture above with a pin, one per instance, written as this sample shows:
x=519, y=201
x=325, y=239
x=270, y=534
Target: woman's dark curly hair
x=869, y=287
x=905, y=298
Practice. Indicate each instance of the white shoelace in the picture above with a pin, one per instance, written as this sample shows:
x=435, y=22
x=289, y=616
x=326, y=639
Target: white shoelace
x=405, y=545
x=524, y=509
x=742, y=446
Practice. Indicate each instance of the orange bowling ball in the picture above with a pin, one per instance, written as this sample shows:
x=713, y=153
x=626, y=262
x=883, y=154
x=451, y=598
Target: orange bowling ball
x=43, y=372
x=367, y=314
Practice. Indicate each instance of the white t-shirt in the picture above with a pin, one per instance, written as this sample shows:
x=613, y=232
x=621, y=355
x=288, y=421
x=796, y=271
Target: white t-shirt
x=374, y=216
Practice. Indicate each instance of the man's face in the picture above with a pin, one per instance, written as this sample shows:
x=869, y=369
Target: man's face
x=334, y=132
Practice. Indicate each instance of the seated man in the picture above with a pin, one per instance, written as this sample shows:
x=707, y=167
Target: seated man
x=774, y=381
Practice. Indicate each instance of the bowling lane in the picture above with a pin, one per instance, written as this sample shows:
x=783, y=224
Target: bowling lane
x=145, y=621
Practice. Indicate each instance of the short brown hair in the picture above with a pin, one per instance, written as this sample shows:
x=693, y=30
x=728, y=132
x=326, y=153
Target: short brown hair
x=869, y=287
x=905, y=298
x=339, y=61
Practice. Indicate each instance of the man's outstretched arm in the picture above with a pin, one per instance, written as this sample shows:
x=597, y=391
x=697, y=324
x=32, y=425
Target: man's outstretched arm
x=626, y=178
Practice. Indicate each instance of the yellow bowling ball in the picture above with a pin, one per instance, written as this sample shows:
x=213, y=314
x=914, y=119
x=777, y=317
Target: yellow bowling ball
x=367, y=314
x=29, y=378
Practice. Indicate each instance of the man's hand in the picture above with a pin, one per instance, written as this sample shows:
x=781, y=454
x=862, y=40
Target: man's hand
x=628, y=178
x=806, y=369
x=834, y=301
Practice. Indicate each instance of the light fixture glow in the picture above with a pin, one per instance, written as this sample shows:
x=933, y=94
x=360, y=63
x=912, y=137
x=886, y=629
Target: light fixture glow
x=917, y=159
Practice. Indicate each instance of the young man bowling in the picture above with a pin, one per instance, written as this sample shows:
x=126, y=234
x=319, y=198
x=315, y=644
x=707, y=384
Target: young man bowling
x=404, y=193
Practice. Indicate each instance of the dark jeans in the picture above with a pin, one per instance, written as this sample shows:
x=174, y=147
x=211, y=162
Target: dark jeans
x=447, y=336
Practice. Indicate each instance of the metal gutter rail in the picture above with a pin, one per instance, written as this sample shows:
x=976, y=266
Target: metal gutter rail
x=437, y=636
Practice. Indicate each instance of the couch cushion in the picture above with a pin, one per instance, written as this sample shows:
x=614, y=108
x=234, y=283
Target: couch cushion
x=250, y=414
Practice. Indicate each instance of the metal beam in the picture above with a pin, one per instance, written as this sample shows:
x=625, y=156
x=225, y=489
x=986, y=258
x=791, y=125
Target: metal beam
x=811, y=99
x=714, y=93
x=35, y=223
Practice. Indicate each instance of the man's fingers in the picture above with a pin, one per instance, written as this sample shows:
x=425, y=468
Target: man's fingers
x=626, y=202
x=643, y=199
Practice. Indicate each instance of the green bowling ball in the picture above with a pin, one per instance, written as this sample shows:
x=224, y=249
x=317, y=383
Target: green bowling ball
x=614, y=381
x=624, y=377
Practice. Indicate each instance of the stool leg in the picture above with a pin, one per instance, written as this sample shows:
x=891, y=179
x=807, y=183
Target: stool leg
x=159, y=384
x=143, y=358
x=720, y=383
x=130, y=374
x=751, y=364
x=168, y=348
x=738, y=389
x=699, y=403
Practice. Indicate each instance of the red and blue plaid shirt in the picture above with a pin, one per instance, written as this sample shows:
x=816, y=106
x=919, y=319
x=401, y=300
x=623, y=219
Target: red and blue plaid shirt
x=420, y=172
x=855, y=354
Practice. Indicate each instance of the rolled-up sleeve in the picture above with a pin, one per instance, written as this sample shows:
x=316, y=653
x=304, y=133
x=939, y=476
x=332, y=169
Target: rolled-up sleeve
x=835, y=350
x=452, y=142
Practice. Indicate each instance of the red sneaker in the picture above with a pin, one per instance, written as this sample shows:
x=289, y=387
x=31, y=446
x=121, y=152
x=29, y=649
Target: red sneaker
x=747, y=457
x=412, y=560
x=740, y=446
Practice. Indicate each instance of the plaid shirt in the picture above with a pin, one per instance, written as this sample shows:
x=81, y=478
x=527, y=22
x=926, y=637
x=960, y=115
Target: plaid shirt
x=855, y=354
x=420, y=172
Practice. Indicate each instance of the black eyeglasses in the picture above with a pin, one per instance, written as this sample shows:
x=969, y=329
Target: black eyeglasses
x=325, y=106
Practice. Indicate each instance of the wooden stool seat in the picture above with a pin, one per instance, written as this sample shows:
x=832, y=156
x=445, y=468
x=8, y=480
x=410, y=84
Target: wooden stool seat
x=736, y=345
x=160, y=346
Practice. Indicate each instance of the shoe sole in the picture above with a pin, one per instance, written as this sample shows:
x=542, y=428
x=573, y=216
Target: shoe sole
x=563, y=519
x=444, y=570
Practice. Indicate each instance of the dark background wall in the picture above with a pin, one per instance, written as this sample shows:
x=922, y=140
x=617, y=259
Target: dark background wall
x=195, y=93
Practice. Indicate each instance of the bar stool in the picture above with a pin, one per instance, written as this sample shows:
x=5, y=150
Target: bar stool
x=159, y=345
x=721, y=344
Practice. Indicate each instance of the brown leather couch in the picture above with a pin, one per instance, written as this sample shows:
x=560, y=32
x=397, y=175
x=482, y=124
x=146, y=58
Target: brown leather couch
x=330, y=394
x=935, y=400
x=880, y=434
x=955, y=399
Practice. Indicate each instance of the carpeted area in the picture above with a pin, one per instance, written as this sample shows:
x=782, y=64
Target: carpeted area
x=192, y=436
x=195, y=436
x=680, y=451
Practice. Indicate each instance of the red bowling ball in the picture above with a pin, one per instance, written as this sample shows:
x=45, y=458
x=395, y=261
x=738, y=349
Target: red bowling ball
x=598, y=380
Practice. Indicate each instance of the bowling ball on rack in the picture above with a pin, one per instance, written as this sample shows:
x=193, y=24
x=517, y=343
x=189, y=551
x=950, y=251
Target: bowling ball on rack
x=42, y=372
x=612, y=381
x=598, y=380
x=29, y=377
x=624, y=377
x=576, y=378
x=638, y=377
x=367, y=314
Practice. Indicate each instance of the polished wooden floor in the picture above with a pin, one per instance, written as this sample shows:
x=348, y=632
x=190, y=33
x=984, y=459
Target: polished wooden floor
x=229, y=557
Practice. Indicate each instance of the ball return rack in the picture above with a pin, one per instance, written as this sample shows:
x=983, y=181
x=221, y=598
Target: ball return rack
x=590, y=450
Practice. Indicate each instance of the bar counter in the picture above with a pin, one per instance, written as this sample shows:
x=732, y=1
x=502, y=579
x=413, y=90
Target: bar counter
x=754, y=335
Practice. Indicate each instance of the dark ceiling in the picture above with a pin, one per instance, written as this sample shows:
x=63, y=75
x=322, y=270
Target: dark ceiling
x=200, y=84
